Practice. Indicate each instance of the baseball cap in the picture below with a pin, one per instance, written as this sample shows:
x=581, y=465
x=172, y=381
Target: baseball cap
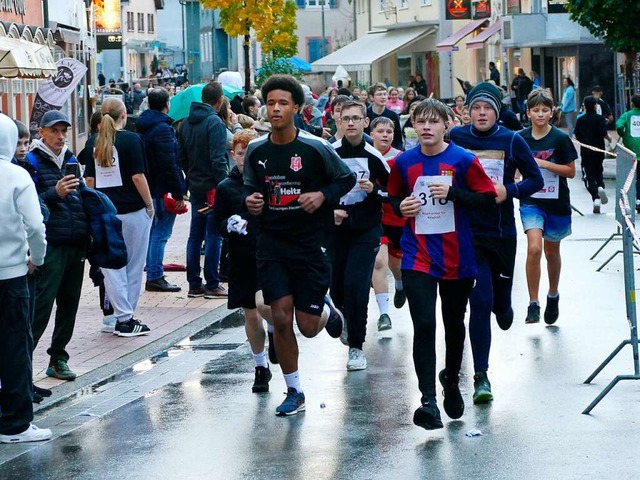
x=52, y=117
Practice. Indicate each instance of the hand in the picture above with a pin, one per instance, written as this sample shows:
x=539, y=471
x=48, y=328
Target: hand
x=31, y=267
x=233, y=117
x=326, y=133
x=311, y=201
x=180, y=205
x=366, y=185
x=410, y=207
x=439, y=190
x=501, y=190
x=66, y=185
x=254, y=203
x=339, y=216
x=149, y=210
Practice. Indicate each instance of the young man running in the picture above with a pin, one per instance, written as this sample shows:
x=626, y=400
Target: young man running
x=293, y=181
x=501, y=153
x=378, y=108
x=547, y=213
x=390, y=254
x=435, y=186
x=358, y=229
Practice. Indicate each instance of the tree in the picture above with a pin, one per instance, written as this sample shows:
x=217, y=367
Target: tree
x=615, y=21
x=273, y=22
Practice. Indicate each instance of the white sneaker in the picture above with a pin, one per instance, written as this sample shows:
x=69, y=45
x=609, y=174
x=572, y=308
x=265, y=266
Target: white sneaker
x=357, y=360
x=596, y=205
x=31, y=434
x=603, y=196
x=108, y=324
x=344, y=336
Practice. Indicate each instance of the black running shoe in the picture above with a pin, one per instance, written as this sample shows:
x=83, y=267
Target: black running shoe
x=399, y=298
x=427, y=416
x=131, y=328
x=505, y=319
x=261, y=381
x=44, y=392
x=533, y=313
x=453, y=403
x=551, y=311
x=335, y=320
x=482, y=388
x=273, y=356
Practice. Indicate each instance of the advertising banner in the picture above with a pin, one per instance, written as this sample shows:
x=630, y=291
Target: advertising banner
x=458, y=9
x=107, y=15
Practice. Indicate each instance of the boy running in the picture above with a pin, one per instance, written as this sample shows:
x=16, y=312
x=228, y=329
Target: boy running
x=547, y=213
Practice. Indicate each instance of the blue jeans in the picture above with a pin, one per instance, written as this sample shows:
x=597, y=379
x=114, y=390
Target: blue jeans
x=161, y=230
x=203, y=229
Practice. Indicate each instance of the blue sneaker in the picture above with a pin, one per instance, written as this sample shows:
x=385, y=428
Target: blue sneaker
x=335, y=320
x=293, y=403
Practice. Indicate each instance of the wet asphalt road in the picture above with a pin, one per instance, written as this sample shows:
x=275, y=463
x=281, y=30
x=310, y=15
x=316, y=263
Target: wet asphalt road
x=190, y=414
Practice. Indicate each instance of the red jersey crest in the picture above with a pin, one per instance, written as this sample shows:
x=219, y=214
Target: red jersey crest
x=296, y=163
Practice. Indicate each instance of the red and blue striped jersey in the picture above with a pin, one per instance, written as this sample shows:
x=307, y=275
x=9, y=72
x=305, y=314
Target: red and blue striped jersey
x=449, y=256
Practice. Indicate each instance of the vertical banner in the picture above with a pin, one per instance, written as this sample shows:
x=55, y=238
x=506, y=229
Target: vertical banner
x=55, y=91
x=107, y=15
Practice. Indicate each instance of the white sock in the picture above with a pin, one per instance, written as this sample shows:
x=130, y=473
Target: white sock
x=260, y=359
x=553, y=295
x=399, y=285
x=326, y=309
x=293, y=381
x=269, y=328
x=383, y=303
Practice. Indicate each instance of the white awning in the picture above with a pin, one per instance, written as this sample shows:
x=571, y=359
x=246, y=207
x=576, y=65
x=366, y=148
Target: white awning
x=358, y=55
x=19, y=58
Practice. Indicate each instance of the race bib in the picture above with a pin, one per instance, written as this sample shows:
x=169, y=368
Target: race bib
x=635, y=126
x=551, y=188
x=359, y=166
x=492, y=162
x=107, y=177
x=436, y=215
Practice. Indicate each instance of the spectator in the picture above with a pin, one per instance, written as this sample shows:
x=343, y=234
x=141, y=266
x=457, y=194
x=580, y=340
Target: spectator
x=138, y=97
x=394, y=103
x=521, y=86
x=568, y=104
x=494, y=74
x=251, y=105
x=420, y=85
x=164, y=177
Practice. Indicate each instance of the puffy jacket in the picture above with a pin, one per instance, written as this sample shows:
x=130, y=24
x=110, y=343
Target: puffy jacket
x=161, y=147
x=202, y=152
x=67, y=223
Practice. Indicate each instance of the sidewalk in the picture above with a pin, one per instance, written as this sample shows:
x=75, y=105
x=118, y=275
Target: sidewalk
x=171, y=316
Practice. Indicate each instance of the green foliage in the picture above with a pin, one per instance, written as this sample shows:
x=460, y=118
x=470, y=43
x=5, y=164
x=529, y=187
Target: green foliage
x=275, y=64
x=616, y=21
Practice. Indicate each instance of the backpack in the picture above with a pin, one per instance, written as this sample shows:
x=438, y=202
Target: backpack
x=107, y=249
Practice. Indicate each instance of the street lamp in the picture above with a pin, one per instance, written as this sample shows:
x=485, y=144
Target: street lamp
x=324, y=36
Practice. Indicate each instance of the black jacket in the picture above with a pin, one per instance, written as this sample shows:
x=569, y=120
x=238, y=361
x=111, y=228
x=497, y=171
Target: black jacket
x=161, y=148
x=67, y=223
x=202, y=148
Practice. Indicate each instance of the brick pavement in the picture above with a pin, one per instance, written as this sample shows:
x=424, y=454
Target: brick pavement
x=162, y=312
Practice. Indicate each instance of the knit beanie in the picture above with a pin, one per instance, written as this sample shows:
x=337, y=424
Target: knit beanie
x=485, y=92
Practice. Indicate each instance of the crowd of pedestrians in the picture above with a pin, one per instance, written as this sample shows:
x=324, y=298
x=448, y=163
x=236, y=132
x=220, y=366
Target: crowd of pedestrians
x=301, y=227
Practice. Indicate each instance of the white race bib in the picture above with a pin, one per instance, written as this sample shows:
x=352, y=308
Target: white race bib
x=107, y=177
x=551, y=188
x=635, y=126
x=492, y=162
x=359, y=166
x=436, y=215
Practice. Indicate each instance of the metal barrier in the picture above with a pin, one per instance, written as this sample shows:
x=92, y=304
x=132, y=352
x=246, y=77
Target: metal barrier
x=625, y=216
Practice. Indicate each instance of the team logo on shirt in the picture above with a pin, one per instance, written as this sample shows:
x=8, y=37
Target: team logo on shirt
x=296, y=163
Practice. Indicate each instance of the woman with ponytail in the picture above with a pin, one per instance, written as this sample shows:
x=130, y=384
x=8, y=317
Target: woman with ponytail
x=116, y=167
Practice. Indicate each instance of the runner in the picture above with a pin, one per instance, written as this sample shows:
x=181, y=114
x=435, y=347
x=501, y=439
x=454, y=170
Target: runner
x=358, y=230
x=293, y=267
x=547, y=213
x=390, y=254
x=501, y=153
x=435, y=186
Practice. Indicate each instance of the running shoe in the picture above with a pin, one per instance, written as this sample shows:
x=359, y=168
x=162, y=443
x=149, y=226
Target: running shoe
x=603, y=195
x=293, y=403
x=533, y=313
x=357, y=360
x=131, y=328
x=453, y=403
x=334, y=325
x=551, y=311
x=399, y=298
x=384, y=323
x=273, y=356
x=427, y=416
x=60, y=369
x=505, y=319
x=482, y=388
x=31, y=434
x=344, y=336
x=261, y=381
x=596, y=205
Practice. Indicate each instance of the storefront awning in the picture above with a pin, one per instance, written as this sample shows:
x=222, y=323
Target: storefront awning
x=478, y=42
x=19, y=58
x=449, y=43
x=361, y=53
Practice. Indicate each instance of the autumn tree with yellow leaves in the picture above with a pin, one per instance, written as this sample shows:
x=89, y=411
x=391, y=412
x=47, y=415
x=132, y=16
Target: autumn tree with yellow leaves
x=272, y=21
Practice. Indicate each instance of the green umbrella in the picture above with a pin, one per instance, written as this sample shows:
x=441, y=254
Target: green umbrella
x=181, y=103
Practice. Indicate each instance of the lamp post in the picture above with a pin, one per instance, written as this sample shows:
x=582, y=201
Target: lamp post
x=324, y=37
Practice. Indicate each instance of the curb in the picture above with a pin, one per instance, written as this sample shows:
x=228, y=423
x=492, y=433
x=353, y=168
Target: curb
x=61, y=392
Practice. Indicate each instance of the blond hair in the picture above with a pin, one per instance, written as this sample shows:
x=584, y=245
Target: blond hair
x=112, y=110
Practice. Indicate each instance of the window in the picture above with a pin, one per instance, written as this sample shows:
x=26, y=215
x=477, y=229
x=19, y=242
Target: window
x=316, y=3
x=150, y=23
x=129, y=21
x=141, y=22
x=403, y=4
x=314, y=47
x=425, y=2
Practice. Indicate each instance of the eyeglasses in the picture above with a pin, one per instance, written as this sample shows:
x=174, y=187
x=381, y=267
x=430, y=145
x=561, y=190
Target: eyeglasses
x=355, y=120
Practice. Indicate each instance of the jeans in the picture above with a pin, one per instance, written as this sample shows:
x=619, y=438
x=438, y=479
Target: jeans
x=203, y=229
x=16, y=344
x=161, y=230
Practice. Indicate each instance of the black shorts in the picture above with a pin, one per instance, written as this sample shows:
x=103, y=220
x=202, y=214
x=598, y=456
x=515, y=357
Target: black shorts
x=500, y=253
x=243, y=280
x=286, y=269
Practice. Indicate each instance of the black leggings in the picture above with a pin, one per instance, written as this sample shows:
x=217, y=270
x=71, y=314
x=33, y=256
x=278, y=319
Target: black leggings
x=421, y=290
